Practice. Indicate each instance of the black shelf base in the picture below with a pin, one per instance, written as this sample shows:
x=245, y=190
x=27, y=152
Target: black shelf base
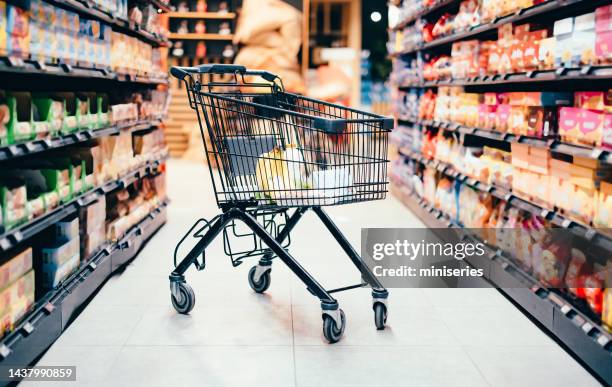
x=58, y=309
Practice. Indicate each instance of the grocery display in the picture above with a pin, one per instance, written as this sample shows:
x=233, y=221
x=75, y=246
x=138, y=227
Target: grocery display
x=502, y=112
x=68, y=149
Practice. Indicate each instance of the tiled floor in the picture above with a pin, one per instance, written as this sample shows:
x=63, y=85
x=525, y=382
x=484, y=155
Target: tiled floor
x=130, y=334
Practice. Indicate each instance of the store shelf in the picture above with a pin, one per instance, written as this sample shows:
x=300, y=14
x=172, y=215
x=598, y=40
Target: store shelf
x=162, y=5
x=194, y=36
x=559, y=76
x=580, y=335
x=438, y=6
x=549, y=8
x=573, y=150
x=202, y=15
x=14, y=236
x=29, y=67
x=595, y=237
x=52, y=314
x=90, y=10
x=10, y=152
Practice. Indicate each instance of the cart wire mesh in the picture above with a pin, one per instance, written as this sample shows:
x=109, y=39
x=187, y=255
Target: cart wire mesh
x=277, y=149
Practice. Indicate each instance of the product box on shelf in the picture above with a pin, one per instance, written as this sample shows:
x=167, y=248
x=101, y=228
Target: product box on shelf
x=93, y=231
x=583, y=40
x=3, y=15
x=20, y=112
x=54, y=273
x=66, y=230
x=61, y=251
x=18, y=31
x=563, y=33
x=15, y=267
x=13, y=201
x=48, y=113
x=15, y=300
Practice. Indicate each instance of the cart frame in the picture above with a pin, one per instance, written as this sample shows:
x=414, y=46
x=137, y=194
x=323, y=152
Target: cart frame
x=183, y=297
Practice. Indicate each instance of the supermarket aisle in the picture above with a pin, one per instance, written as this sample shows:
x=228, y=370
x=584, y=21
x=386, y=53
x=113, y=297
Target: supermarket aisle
x=130, y=334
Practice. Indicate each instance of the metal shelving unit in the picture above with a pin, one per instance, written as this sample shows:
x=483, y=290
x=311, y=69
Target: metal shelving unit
x=120, y=25
x=577, y=332
x=194, y=36
x=12, y=237
x=53, y=313
x=54, y=310
x=13, y=151
x=546, y=9
x=439, y=6
x=556, y=146
x=15, y=67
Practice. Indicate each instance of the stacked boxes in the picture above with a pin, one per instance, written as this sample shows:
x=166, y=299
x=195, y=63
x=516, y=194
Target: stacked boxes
x=62, y=256
x=16, y=289
x=92, y=231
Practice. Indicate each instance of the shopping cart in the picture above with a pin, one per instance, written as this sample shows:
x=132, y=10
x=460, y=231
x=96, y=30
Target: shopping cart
x=278, y=155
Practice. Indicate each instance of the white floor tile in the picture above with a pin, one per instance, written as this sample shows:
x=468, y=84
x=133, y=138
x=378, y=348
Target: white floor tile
x=203, y=366
x=130, y=334
x=529, y=366
x=385, y=366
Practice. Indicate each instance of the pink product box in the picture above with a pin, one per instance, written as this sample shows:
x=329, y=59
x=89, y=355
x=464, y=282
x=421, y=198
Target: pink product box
x=569, y=120
x=603, y=46
x=603, y=18
x=591, y=127
x=607, y=131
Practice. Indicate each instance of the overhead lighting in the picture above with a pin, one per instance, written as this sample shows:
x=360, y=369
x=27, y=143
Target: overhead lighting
x=376, y=16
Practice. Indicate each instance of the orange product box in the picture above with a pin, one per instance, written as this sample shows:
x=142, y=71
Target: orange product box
x=539, y=160
x=520, y=155
x=595, y=100
x=603, y=210
x=15, y=267
x=582, y=204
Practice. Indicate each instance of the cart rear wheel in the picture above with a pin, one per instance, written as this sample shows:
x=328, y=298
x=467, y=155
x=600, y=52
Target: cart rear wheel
x=185, y=299
x=264, y=280
x=380, y=315
x=331, y=331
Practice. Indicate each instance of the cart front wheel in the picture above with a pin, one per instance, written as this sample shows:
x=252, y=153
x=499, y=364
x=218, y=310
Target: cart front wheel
x=184, y=301
x=380, y=315
x=264, y=280
x=331, y=331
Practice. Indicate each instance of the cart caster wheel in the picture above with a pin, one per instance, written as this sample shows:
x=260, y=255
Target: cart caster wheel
x=264, y=280
x=186, y=298
x=380, y=315
x=331, y=331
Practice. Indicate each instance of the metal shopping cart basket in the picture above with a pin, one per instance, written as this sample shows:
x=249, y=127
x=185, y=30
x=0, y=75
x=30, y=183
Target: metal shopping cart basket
x=278, y=155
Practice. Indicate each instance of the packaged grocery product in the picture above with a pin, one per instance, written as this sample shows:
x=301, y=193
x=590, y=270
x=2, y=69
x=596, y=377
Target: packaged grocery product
x=603, y=210
x=60, y=252
x=569, y=123
x=3, y=43
x=20, y=289
x=66, y=230
x=606, y=315
x=562, y=32
x=15, y=267
x=550, y=265
x=593, y=289
x=546, y=53
x=53, y=273
x=591, y=127
x=13, y=200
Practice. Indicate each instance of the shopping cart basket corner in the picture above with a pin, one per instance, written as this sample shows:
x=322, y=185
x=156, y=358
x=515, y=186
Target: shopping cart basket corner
x=280, y=155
